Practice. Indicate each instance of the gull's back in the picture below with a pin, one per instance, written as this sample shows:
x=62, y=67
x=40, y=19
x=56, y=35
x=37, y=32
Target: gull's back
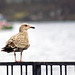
x=19, y=40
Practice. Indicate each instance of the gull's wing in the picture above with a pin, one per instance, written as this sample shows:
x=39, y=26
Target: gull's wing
x=19, y=40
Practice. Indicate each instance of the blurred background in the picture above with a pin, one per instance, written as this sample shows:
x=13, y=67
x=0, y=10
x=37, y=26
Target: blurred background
x=38, y=10
x=54, y=36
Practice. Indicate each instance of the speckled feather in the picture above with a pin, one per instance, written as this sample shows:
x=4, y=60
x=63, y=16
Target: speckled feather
x=20, y=40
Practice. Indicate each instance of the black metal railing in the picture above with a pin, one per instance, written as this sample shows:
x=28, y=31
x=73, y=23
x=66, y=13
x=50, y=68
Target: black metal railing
x=38, y=68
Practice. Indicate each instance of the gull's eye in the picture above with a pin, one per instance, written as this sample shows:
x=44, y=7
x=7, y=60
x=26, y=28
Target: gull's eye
x=25, y=25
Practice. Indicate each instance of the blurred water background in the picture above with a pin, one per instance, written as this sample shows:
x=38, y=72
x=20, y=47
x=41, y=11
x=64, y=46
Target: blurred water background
x=50, y=41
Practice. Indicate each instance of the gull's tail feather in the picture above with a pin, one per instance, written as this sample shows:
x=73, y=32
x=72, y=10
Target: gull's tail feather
x=7, y=49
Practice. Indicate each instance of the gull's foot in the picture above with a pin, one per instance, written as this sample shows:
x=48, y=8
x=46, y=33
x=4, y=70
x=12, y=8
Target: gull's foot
x=20, y=61
x=15, y=60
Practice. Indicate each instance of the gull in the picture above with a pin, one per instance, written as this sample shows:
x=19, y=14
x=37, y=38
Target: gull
x=18, y=42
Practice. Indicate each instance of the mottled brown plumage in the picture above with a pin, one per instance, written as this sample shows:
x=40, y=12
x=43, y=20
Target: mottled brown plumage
x=18, y=42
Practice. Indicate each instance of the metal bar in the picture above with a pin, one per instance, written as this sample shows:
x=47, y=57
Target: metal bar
x=26, y=69
x=34, y=73
x=36, y=69
x=7, y=69
x=37, y=66
x=21, y=69
x=11, y=69
x=46, y=70
x=60, y=69
x=37, y=63
x=65, y=69
x=51, y=70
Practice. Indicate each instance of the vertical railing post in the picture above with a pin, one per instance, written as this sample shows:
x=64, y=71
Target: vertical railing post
x=65, y=69
x=21, y=69
x=51, y=70
x=60, y=69
x=36, y=69
x=26, y=70
x=11, y=69
x=46, y=70
x=7, y=69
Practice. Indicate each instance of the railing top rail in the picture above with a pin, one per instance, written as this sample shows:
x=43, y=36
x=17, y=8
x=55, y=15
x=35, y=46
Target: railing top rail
x=37, y=63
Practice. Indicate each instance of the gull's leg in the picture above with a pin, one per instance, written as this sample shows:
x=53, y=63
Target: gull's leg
x=21, y=57
x=15, y=56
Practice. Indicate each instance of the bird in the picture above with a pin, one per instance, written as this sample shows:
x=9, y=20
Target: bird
x=19, y=41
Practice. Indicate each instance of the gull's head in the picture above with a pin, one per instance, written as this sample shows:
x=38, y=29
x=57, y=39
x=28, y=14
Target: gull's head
x=25, y=27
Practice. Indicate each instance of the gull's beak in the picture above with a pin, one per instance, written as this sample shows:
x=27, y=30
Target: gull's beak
x=32, y=27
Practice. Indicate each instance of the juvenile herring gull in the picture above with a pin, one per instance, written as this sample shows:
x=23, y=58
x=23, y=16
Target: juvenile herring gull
x=18, y=42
